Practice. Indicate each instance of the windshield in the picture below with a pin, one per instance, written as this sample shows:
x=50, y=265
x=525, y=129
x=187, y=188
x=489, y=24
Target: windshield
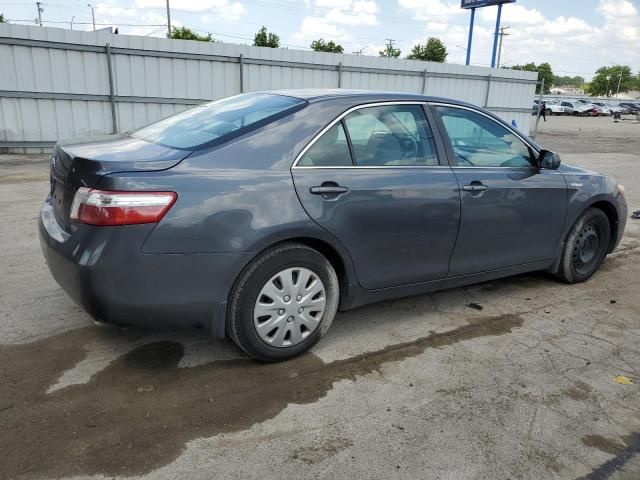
x=219, y=120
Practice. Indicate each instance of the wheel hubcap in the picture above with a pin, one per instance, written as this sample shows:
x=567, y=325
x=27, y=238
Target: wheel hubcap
x=289, y=307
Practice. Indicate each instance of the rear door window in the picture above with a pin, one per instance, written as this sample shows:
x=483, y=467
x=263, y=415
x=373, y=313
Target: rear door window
x=218, y=121
x=330, y=150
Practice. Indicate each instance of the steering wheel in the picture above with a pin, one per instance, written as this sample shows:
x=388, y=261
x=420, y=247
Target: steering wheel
x=409, y=146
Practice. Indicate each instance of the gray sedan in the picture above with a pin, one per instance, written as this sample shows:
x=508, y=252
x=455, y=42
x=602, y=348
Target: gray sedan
x=260, y=216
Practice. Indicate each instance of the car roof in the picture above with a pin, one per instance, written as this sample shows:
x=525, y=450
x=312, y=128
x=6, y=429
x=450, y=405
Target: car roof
x=312, y=95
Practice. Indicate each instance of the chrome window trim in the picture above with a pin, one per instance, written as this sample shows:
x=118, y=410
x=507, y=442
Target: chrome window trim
x=505, y=125
x=347, y=112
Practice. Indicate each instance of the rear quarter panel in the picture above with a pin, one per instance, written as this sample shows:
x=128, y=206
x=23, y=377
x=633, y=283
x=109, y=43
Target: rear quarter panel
x=237, y=197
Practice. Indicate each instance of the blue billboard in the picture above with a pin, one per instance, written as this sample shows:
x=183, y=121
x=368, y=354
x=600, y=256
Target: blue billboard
x=482, y=3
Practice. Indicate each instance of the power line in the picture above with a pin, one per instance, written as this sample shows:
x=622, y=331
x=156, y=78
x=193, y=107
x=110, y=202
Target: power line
x=154, y=31
x=91, y=23
x=246, y=38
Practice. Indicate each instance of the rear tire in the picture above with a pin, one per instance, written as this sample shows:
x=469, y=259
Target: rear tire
x=283, y=303
x=585, y=247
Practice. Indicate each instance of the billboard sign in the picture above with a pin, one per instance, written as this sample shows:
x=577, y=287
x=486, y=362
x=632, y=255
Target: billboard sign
x=482, y=3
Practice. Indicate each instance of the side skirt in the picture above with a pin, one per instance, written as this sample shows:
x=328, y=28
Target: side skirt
x=359, y=296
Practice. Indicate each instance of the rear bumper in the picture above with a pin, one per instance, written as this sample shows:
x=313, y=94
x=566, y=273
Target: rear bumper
x=105, y=271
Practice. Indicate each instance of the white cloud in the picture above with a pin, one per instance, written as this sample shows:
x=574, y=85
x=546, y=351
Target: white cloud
x=150, y=22
x=224, y=8
x=570, y=44
x=333, y=3
x=313, y=28
x=334, y=18
x=429, y=9
x=515, y=14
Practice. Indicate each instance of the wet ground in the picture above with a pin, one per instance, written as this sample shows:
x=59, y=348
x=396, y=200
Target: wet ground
x=508, y=379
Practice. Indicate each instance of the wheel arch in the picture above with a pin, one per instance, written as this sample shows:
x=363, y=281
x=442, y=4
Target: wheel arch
x=611, y=212
x=335, y=254
x=609, y=209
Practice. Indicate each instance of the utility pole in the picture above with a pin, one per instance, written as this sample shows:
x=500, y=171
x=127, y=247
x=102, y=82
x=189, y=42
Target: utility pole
x=93, y=16
x=619, y=82
x=40, y=10
x=502, y=34
x=168, y=20
x=390, y=42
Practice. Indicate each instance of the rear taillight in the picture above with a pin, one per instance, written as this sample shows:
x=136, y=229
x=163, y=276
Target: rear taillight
x=100, y=207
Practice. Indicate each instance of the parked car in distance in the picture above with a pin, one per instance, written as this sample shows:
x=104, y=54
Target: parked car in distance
x=603, y=108
x=554, y=108
x=551, y=108
x=577, y=108
x=261, y=215
x=633, y=108
x=614, y=108
x=592, y=109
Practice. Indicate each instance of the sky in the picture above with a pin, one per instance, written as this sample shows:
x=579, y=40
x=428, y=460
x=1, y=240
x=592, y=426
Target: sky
x=575, y=36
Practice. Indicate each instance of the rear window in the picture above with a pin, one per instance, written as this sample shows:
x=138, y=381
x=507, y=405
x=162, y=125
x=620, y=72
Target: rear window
x=218, y=121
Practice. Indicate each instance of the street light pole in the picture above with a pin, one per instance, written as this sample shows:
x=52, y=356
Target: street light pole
x=168, y=20
x=72, y=21
x=93, y=16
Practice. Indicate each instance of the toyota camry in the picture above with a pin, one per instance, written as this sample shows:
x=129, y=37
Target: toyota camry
x=261, y=215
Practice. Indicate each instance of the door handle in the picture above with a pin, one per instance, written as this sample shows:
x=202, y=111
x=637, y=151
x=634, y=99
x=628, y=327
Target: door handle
x=328, y=190
x=475, y=187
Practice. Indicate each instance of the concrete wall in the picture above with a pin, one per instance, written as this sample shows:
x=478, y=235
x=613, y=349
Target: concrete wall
x=57, y=83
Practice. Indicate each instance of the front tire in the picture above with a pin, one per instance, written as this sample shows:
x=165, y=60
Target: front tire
x=283, y=303
x=586, y=246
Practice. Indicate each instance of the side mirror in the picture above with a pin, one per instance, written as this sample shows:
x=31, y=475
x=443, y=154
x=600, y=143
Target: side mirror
x=548, y=160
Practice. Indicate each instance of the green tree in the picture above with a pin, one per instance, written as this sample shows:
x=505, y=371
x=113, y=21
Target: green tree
x=544, y=71
x=636, y=82
x=185, y=33
x=433, y=51
x=606, y=80
x=266, y=39
x=567, y=81
x=2, y=18
x=322, y=46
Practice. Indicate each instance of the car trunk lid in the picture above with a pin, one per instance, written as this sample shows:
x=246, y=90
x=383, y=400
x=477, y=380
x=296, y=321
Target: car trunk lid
x=83, y=164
